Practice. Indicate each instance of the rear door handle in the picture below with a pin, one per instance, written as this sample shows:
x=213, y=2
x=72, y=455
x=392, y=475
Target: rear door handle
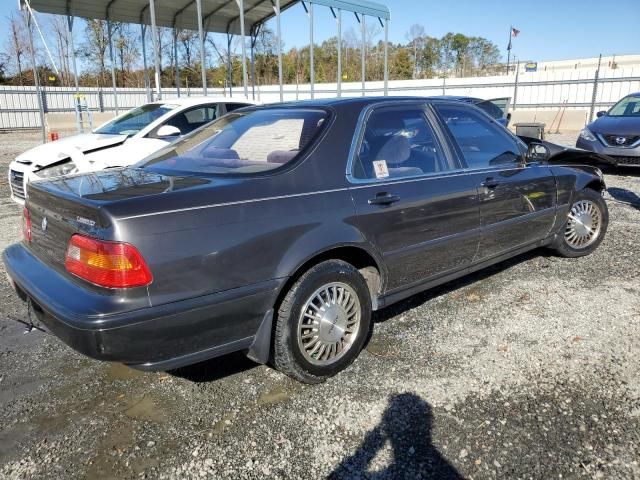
x=383, y=198
x=490, y=183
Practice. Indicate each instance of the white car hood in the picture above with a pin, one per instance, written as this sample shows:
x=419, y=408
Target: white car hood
x=52, y=152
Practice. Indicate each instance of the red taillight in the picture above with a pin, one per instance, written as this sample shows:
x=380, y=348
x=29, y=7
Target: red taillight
x=26, y=225
x=108, y=264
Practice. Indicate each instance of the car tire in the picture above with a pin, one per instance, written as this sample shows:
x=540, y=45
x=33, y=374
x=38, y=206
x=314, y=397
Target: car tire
x=588, y=212
x=322, y=322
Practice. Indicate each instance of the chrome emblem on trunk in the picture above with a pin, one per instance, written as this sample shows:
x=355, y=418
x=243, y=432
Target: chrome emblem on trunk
x=44, y=224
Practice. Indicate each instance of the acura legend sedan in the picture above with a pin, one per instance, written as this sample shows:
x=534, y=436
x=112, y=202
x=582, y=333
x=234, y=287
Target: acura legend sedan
x=278, y=230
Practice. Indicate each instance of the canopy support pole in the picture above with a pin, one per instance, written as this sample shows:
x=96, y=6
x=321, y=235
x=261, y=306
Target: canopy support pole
x=312, y=71
x=339, y=22
x=143, y=31
x=156, y=48
x=254, y=39
x=36, y=79
x=72, y=53
x=244, y=52
x=203, y=67
x=229, y=64
x=386, y=57
x=363, y=55
x=279, y=39
x=175, y=60
x=113, y=66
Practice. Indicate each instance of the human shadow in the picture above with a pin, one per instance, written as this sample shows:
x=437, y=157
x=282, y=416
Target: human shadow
x=406, y=425
x=626, y=196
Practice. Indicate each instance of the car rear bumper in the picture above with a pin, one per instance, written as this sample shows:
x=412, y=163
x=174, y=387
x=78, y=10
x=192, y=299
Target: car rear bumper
x=152, y=338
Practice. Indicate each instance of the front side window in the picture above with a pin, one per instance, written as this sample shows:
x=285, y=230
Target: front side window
x=248, y=142
x=627, y=107
x=482, y=143
x=135, y=120
x=398, y=142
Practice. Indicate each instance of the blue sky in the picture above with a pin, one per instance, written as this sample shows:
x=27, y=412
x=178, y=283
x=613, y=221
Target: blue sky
x=550, y=29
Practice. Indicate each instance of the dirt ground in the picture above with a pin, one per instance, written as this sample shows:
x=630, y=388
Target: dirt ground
x=526, y=370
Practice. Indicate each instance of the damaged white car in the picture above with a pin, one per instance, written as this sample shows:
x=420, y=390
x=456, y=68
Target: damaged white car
x=123, y=141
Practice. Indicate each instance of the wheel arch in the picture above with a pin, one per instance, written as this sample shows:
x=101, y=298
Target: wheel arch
x=368, y=264
x=364, y=260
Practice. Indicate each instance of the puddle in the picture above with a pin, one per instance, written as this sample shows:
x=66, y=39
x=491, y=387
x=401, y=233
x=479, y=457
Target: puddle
x=145, y=409
x=118, y=371
x=381, y=347
x=276, y=395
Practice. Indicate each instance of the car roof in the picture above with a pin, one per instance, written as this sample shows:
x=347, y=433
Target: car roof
x=336, y=102
x=192, y=101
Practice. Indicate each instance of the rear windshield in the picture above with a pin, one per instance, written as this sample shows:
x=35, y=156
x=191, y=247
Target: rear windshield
x=627, y=107
x=242, y=142
x=135, y=120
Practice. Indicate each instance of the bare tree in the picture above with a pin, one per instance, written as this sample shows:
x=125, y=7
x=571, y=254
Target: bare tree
x=59, y=29
x=17, y=43
x=415, y=35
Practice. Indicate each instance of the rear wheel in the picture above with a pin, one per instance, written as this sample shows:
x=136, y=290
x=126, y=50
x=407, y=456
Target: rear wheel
x=585, y=227
x=322, y=323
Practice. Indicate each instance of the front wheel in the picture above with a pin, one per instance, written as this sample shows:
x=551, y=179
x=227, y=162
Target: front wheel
x=323, y=322
x=585, y=227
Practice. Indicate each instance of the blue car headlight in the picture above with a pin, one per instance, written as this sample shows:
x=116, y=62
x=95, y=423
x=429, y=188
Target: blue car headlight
x=586, y=134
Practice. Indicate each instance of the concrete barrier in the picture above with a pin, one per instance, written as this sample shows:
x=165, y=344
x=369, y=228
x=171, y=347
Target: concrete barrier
x=66, y=122
x=555, y=119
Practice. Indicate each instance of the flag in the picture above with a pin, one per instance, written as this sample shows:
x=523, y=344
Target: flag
x=514, y=32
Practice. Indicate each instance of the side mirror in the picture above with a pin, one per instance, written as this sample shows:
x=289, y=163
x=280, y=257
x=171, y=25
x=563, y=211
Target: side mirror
x=168, y=131
x=601, y=113
x=538, y=152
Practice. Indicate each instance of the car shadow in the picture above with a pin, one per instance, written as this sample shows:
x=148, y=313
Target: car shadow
x=420, y=298
x=216, y=368
x=625, y=196
x=406, y=425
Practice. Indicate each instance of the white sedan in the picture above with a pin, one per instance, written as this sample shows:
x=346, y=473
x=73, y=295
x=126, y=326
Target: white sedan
x=123, y=141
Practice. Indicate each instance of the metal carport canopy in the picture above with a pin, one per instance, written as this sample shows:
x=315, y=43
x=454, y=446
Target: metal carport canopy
x=219, y=16
x=232, y=17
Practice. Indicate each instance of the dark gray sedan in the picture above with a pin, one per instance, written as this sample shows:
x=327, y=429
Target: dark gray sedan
x=278, y=230
x=616, y=132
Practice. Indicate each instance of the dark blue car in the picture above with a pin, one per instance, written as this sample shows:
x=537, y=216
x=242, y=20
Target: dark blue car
x=616, y=132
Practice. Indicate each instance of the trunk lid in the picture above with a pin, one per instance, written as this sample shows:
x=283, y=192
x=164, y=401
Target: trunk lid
x=55, y=218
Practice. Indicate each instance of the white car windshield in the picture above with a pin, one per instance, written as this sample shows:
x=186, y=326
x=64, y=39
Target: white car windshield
x=247, y=142
x=135, y=120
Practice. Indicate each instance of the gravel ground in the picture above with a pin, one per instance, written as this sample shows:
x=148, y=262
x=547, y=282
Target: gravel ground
x=526, y=370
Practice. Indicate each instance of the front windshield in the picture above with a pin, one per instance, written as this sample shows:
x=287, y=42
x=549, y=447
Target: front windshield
x=252, y=141
x=135, y=120
x=627, y=107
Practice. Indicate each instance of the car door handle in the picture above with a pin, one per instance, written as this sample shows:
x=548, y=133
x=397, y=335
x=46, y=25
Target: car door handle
x=490, y=183
x=383, y=199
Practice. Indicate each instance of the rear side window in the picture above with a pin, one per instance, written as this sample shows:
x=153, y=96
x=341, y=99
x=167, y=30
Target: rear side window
x=234, y=106
x=483, y=143
x=248, y=142
x=398, y=142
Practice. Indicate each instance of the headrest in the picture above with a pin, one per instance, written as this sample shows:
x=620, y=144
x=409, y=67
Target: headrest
x=281, y=156
x=395, y=151
x=215, y=152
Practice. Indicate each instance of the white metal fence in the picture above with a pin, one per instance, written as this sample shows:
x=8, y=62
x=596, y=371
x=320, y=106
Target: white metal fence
x=574, y=89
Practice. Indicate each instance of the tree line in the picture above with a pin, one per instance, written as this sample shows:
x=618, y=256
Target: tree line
x=421, y=56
